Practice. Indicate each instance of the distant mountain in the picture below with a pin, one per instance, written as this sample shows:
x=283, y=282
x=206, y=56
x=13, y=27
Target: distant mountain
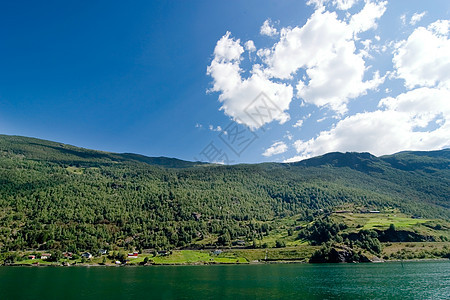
x=357, y=161
x=54, y=195
x=37, y=149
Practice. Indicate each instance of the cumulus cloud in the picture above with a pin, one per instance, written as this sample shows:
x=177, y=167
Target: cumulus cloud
x=250, y=46
x=403, y=19
x=418, y=119
x=339, y=4
x=268, y=29
x=276, y=148
x=367, y=17
x=424, y=59
x=401, y=124
x=417, y=17
x=298, y=124
x=323, y=49
x=237, y=93
x=344, y=4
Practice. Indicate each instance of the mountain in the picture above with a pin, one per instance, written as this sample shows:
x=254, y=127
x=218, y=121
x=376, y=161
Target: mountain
x=54, y=195
x=42, y=150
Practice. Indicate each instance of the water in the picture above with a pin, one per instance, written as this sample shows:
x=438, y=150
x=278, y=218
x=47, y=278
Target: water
x=410, y=280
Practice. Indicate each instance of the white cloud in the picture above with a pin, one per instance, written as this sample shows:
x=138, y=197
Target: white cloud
x=268, y=29
x=250, y=46
x=400, y=123
x=295, y=158
x=418, y=119
x=416, y=18
x=324, y=46
x=238, y=93
x=217, y=129
x=317, y=3
x=366, y=18
x=276, y=148
x=228, y=49
x=344, y=4
x=306, y=46
x=321, y=119
x=298, y=124
x=424, y=58
x=339, y=4
x=440, y=27
x=403, y=19
x=336, y=80
x=288, y=136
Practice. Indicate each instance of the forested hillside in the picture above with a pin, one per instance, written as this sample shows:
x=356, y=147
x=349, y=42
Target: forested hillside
x=56, y=196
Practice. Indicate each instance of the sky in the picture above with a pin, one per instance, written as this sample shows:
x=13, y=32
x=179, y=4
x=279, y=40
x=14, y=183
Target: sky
x=228, y=81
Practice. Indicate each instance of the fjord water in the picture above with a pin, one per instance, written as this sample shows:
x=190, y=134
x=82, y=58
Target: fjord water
x=408, y=280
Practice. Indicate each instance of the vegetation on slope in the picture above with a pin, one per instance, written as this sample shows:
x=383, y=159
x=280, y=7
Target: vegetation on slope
x=64, y=198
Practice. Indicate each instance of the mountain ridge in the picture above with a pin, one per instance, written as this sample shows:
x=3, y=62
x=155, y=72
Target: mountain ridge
x=338, y=159
x=54, y=195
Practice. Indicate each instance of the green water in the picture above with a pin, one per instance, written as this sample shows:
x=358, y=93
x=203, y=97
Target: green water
x=410, y=280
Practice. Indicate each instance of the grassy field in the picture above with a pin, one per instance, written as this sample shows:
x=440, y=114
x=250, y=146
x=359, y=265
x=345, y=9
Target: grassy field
x=299, y=253
x=285, y=230
x=302, y=253
x=380, y=221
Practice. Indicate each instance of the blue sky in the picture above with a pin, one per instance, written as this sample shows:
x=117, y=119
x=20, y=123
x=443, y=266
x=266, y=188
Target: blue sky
x=185, y=79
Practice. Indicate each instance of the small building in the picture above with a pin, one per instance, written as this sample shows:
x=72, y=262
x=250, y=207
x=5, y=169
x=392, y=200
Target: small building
x=163, y=252
x=102, y=251
x=133, y=255
x=118, y=262
x=67, y=254
x=86, y=255
x=374, y=211
x=31, y=256
x=45, y=256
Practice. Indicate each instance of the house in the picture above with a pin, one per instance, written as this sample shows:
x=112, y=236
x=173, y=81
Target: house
x=102, y=251
x=67, y=254
x=217, y=252
x=86, y=255
x=45, y=256
x=31, y=256
x=133, y=255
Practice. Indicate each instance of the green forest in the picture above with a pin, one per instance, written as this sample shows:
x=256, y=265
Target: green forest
x=59, y=197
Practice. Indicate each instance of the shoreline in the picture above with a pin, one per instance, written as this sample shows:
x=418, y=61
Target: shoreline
x=217, y=263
